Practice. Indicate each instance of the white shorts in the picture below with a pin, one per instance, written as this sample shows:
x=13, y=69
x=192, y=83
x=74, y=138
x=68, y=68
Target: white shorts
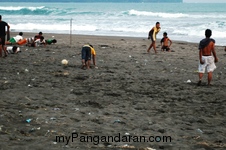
x=208, y=63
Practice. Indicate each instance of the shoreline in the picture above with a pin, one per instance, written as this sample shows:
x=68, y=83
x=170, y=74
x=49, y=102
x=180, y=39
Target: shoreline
x=75, y=36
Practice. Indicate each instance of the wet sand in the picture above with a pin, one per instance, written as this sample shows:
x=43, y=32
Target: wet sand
x=132, y=93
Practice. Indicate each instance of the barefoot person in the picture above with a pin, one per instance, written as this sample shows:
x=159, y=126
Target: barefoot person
x=87, y=51
x=165, y=43
x=206, y=60
x=152, y=35
x=3, y=25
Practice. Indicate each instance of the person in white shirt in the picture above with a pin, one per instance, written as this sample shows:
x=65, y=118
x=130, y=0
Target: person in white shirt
x=15, y=39
x=12, y=49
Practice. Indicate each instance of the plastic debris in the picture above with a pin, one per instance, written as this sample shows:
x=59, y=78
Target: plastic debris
x=127, y=133
x=188, y=81
x=56, y=108
x=117, y=121
x=52, y=118
x=26, y=70
x=199, y=130
x=28, y=120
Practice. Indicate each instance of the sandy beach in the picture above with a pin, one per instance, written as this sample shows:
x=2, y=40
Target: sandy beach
x=131, y=94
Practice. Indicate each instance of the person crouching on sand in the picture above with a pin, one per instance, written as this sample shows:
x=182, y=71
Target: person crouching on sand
x=206, y=47
x=152, y=35
x=164, y=43
x=12, y=49
x=87, y=51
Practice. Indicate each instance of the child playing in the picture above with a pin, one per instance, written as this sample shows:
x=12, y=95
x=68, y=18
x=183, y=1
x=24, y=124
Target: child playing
x=164, y=43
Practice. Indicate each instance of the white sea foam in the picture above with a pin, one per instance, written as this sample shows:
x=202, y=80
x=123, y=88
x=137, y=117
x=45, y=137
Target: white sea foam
x=118, y=19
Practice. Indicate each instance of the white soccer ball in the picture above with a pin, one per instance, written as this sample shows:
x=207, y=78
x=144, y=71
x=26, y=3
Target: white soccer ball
x=64, y=62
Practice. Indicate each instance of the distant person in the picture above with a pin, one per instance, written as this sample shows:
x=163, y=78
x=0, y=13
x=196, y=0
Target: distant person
x=51, y=41
x=38, y=36
x=87, y=52
x=152, y=35
x=12, y=49
x=165, y=42
x=206, y=60
x=36, y=42
x=3, y=31
x=15, y=40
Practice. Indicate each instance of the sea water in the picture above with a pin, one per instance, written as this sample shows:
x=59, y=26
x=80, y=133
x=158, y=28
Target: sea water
x=182, y=21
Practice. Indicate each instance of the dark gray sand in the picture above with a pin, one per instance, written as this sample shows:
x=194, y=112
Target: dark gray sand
x=131, y=94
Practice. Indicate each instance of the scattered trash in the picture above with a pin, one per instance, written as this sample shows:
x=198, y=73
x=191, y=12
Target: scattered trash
x=33, y=79
x=145, y=61
x=47, y=132
x=127, y=133
x=56, y=108
x=26, y=70
x=32, y=130
x=18, y=73
x=76, y=109
x=28, y=120
x=117, y=121
x=199, y=130
x=188, y=81
x=52, y=118
x=6, y=82
x=137, y=62
x=54, y=142
x=130, y=56
x=38, y=128
x=96, y=67
x=126, y=146
x=148, y=148
x=29, y=85
x=1, y=127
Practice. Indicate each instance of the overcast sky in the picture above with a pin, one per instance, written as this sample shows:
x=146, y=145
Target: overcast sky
x=204, y=1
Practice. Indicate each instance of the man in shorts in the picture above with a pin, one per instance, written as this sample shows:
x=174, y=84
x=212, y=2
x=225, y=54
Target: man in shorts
x=87, y=51
x=206, y=60
x=3, y=24
x=152, y=35
x=165, y=41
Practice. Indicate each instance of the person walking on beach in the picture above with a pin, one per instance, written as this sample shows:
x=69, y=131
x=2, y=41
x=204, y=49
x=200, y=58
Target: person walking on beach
x=152, y=35
x=206, y=60
x=87, y=51
x=3, y=25
x=164, y=42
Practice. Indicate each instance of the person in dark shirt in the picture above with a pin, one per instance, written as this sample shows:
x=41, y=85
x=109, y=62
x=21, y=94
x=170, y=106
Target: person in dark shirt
x=3, y=24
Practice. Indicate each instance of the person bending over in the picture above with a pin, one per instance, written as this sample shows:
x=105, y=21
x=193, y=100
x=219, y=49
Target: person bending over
x=87, y=52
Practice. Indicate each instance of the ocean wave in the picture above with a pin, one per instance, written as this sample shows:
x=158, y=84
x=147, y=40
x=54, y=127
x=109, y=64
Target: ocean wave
x=156, y=14
x=133, y=12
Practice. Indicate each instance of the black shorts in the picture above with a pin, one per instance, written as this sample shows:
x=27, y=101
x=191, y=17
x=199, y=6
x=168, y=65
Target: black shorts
x=165, y=48
x=2, y=40
x=86, y=53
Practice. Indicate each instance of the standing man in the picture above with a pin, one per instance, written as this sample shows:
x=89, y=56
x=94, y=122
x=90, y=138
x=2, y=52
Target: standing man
x=87, y=52
x=206, y=60
x=152, y=35
x=3, y=26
